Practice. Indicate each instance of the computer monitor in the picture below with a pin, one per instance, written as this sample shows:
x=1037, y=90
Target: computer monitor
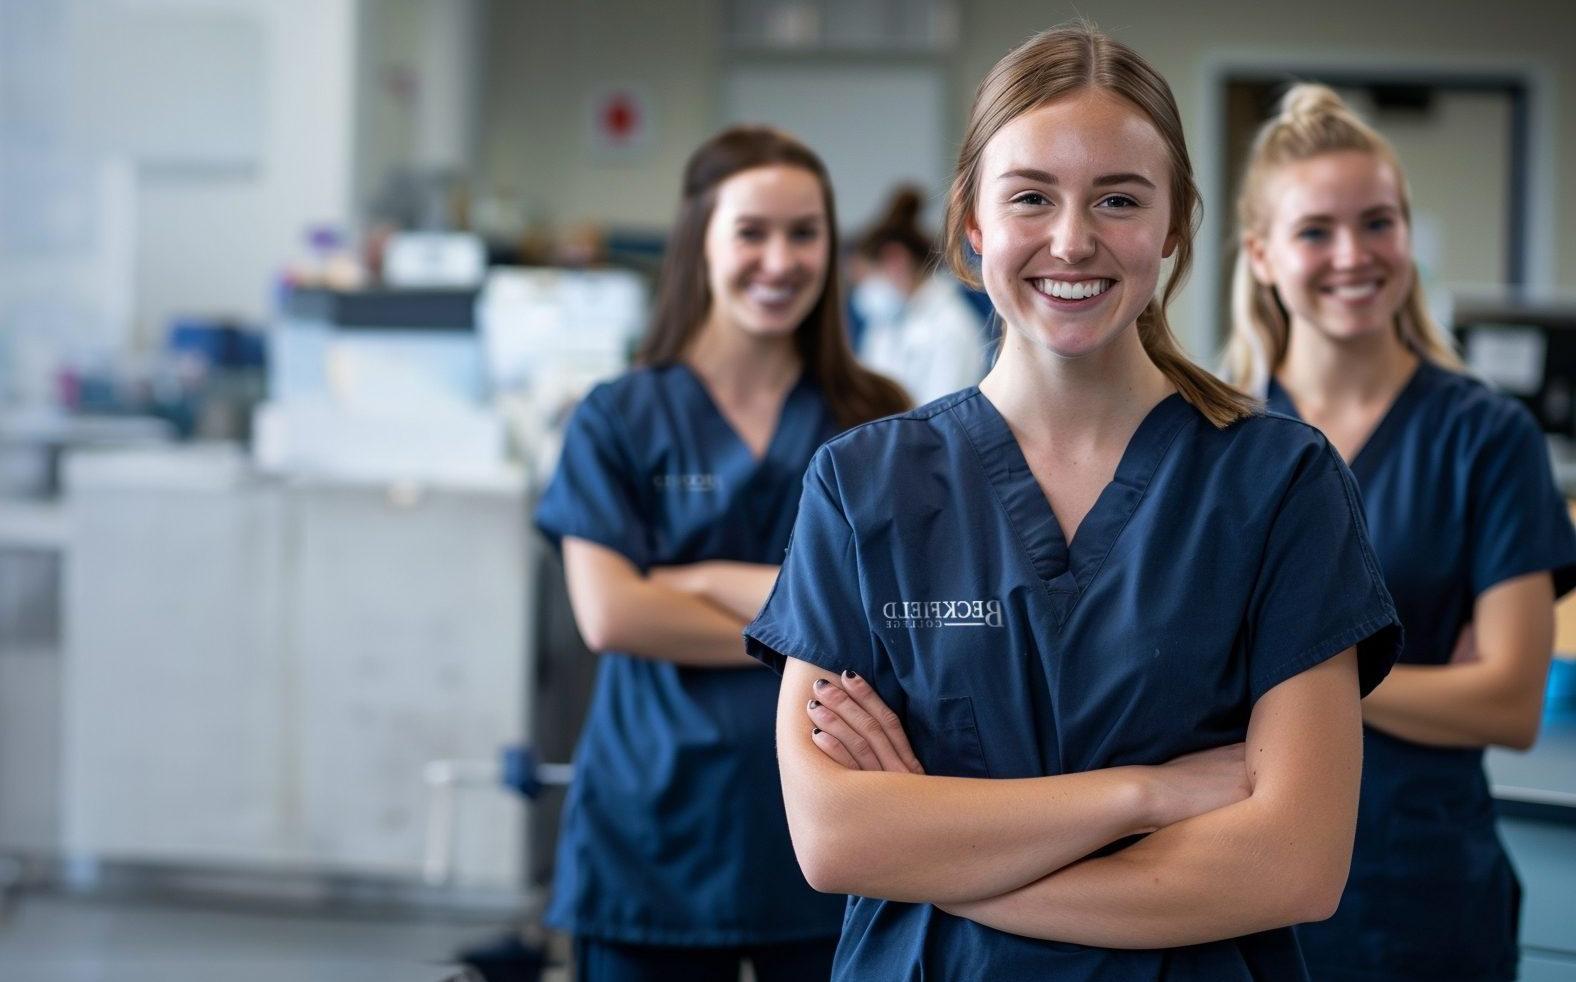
x=1527, y=351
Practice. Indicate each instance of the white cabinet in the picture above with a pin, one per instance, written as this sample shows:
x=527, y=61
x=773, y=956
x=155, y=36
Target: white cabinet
x=257, y=672
x=410, y=645
x=173, y=672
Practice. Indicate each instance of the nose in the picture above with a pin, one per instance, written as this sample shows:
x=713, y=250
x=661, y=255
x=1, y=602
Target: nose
x=1072, y=236
x=779, y=255
x=1348, y=250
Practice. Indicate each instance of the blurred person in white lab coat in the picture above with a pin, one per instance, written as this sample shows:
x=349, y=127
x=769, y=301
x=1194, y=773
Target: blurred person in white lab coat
x=919, y=329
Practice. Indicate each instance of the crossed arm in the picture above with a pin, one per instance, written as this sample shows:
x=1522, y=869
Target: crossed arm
x=1491, y=692
x=691, y=615
x=998, y=852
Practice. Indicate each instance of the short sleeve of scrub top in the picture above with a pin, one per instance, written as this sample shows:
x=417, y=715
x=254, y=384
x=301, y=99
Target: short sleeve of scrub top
x=815, y=612
x=593, y=496
x=1520, y=519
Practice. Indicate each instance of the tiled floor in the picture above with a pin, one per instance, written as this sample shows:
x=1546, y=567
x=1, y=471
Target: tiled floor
x=48, y=938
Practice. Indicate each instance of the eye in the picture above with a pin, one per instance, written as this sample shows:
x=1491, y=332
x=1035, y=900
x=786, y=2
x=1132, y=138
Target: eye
x=752, y=233
x=1381, y=223
x=1033, y=199
x=1313, y=233
x=806, y=233
x=1117, y=201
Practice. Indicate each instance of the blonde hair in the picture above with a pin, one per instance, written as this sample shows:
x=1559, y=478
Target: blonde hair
x=1059, y=62
x=1312, y=121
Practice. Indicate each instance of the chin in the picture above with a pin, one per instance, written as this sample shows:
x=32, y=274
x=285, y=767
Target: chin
x=1357, y=330
x=774, y=328
x=1071, y=343
x=1069, y=347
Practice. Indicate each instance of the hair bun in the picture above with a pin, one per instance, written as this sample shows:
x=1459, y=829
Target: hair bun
x=903, y=208
x=1305, y=100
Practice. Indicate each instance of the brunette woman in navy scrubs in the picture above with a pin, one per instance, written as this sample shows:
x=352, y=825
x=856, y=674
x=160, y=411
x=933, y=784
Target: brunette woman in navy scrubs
x=1093, y=598
x=672, y=503
x=1472, y=535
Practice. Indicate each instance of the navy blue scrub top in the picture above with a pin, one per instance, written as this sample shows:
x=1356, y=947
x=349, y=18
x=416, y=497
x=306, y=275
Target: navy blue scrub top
x=1217, y=564
x=673, y=830
x=1459, y=496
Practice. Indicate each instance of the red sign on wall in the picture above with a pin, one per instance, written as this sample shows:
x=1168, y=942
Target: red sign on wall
x=621, y=120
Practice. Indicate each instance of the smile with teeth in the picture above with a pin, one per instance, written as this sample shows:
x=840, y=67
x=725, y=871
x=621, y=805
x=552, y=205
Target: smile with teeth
x=1081, y=290
x=771, y=296
x=1353, y=291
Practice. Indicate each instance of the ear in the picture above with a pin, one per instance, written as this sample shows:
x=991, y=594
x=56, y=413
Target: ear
x=1258, y=261
x=971, y=229
x=1172, y=241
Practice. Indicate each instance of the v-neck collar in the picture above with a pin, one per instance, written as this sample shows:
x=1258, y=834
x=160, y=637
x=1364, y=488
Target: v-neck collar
x=796, y=393
x=1067, y=571
x=1384, y=433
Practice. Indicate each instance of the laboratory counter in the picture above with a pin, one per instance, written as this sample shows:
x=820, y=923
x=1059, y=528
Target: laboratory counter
x=1541, y=782
x=1536, y=796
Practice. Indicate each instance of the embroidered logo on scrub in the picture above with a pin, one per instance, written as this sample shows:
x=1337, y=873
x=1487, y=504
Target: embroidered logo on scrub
x=942, y=613
x=686, y=482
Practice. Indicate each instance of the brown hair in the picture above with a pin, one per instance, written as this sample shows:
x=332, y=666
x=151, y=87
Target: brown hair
x=899, y=224
x=1056, y=63
x=854, y=394
x=1312, y=121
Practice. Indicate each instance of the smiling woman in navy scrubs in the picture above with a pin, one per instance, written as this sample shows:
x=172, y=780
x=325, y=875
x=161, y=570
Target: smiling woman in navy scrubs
x=1469, y=528
x=672, y=502
x=1100, y=596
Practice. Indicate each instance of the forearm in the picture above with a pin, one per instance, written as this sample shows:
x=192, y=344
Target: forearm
x=1491, y=692
x=665, y=625
x=617, y=609
x=1457, y=705
x=1220, y=875
x=738, y=588
x=913, y=837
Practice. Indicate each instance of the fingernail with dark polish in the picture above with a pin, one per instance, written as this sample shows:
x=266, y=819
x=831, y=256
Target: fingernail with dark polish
x=815, y=704
x=816, y=731
x=849, y=673
x=819, y=683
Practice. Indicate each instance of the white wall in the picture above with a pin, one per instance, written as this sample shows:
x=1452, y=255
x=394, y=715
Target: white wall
x=162, y=157
x=545, y=60
x=213, y=240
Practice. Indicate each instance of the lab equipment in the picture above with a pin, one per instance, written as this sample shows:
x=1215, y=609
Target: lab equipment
x=1528, y=351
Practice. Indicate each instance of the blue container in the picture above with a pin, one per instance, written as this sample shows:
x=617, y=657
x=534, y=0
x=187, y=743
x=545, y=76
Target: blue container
x=1560, y=698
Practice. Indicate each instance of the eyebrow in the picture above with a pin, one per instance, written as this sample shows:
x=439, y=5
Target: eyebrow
x=809, y=216
x=1370, y=211
x=1104, y=180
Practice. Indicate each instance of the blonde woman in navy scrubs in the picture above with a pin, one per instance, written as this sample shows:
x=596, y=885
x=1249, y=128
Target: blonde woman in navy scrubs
x=1096, y=597
x=1472, y=535
x=672, y=503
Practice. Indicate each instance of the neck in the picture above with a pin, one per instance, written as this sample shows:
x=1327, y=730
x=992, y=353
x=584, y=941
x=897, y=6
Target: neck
x=1054, y=400
x=734, y=361
x=1320, y=370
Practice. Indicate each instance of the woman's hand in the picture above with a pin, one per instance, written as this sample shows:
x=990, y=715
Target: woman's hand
x=1200, y=782
x=855, y=728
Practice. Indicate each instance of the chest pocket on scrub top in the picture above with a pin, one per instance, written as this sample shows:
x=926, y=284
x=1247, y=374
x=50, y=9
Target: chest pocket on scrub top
x=947, y=740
